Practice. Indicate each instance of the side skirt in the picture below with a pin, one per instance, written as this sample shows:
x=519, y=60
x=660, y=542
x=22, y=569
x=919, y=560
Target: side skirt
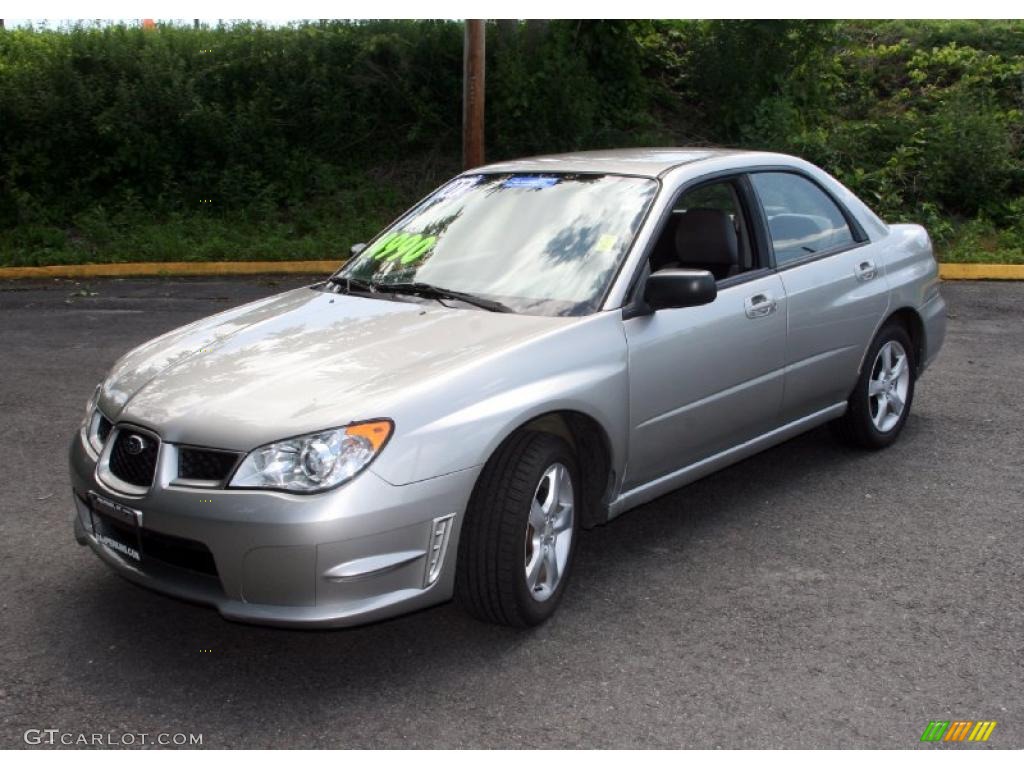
x=686, y=475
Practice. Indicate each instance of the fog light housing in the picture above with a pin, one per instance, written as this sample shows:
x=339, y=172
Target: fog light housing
x=440, y=531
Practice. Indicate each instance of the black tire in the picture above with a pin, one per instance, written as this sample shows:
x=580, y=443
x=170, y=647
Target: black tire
x=490, y=580
x=856, y=427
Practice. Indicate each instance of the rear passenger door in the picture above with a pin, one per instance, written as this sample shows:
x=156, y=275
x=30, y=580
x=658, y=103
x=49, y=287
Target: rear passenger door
x=835, y=289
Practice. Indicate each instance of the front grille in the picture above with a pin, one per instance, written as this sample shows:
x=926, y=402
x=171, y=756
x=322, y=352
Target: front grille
x=136, y=468
x=205, y=464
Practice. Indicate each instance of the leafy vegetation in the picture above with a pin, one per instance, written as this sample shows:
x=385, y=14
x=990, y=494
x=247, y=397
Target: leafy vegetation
x=245, y=142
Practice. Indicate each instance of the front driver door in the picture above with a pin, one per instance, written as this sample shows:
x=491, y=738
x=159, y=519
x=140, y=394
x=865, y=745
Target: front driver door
x=704, y=379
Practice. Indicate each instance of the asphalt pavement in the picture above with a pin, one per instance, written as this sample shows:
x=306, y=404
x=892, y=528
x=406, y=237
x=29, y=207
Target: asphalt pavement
x=810, y=597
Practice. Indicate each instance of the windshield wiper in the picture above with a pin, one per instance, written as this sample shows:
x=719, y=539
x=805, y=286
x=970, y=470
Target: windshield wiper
x=428, y=291
x=350, y=283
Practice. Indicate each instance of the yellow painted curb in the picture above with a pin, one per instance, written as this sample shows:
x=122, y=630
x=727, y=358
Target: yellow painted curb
x=226, y=268
x=172, y=269
x=981, y=271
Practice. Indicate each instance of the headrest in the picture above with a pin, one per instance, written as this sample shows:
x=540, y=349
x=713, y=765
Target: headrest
x=707, y=236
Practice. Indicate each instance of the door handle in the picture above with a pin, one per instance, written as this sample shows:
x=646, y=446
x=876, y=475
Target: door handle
x=760, y=305
x=865, y=271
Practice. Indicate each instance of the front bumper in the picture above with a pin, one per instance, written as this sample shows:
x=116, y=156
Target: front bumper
x=348, y=556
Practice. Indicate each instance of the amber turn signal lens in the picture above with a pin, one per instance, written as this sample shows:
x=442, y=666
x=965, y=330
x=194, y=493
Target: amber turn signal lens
x=377, y=432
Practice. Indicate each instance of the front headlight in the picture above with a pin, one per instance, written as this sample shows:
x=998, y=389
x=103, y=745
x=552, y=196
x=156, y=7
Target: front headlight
x=90, y=405
x=95, y=426
x=314, y=462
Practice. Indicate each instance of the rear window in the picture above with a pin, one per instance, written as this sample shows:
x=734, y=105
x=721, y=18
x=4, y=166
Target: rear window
x=802, y=219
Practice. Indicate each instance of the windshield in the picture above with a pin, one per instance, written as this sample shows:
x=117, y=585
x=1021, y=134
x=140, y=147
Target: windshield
x=540, y=243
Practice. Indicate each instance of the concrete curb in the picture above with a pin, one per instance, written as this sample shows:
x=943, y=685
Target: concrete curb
x=228, y=268
x=172, y=269
x=981, y=271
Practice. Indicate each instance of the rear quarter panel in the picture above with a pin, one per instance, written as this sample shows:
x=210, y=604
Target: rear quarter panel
x=913, y=278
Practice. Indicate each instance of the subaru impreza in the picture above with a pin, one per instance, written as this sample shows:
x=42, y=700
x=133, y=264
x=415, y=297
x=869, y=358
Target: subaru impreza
x=535, y=348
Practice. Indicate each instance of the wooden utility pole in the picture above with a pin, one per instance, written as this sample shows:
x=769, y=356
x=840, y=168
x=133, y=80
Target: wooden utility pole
x=473, y=94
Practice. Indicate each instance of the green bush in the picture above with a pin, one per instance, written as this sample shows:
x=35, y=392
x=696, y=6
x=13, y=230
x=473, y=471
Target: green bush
x=924, y=121
x=119, y=143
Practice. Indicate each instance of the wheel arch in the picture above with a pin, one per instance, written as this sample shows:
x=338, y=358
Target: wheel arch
x=911, y=320
x=591, y=444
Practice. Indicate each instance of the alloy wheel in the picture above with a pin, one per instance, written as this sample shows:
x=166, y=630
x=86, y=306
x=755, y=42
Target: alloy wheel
x=888, y=386
x=549, y=532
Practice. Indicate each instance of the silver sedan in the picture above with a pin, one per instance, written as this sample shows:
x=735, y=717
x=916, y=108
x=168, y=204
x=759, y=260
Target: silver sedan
x=533, y=349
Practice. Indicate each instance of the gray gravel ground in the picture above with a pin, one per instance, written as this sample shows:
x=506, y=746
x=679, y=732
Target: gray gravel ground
x=808, y=597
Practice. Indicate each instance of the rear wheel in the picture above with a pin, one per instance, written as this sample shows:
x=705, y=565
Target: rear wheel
x=880, y=403
x=518, y=538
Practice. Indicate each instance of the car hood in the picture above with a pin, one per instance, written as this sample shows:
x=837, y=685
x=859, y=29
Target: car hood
x=299, y=362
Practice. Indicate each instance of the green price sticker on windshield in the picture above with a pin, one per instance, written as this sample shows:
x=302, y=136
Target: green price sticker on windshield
x=404, y=247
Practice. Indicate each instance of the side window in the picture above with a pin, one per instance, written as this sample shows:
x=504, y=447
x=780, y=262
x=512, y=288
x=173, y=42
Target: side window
x=706, y=230
x=802, y=219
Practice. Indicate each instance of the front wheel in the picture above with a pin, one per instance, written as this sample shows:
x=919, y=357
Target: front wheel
x=880, y=403
x=519, y=535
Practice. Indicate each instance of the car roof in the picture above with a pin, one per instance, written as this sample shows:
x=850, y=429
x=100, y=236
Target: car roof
x=642, y=161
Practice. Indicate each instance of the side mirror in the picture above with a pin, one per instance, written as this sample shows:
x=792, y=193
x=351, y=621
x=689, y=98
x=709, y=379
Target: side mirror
x=356, y=249
x=674, y=288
